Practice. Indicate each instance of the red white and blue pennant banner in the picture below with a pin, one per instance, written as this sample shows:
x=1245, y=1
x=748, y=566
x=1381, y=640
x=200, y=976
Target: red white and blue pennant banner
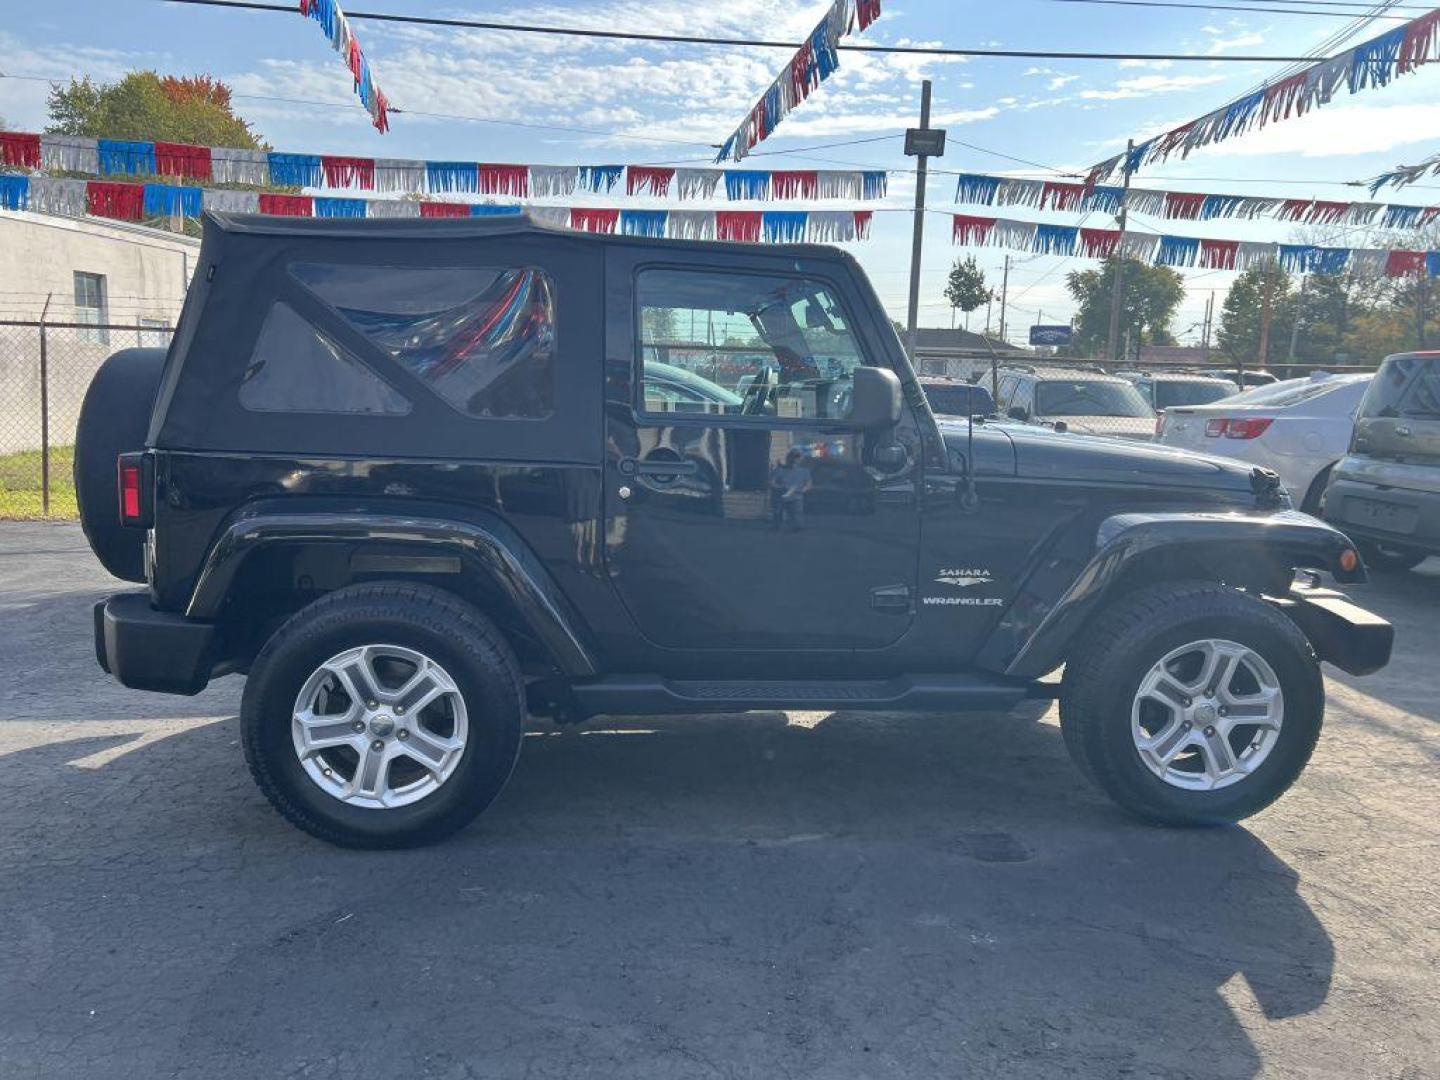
x=1372, y=63
x=986, y=190
x=1402, y=175
x=1187, y=251
x=136, y=202
x=262, y=168
x=814, y=62
x=342, y=39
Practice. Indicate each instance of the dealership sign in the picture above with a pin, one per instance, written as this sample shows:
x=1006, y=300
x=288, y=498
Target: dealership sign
x=1050, y=335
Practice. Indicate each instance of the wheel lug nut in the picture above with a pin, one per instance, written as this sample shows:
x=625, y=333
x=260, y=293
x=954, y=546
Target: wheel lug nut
x=1187, y=703
x=377, y=745
x=1209, y=731
x=358, y=726
x=404, y=734
x=370, y=704
x=1224, y=711
x=400, y=709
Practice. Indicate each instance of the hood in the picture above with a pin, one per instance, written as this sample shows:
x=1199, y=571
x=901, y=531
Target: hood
x=1043, y=454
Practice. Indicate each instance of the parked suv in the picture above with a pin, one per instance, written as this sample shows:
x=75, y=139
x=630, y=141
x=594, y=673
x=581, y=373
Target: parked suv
x=1386, y=490
x=1084, y=402
x=417, y=480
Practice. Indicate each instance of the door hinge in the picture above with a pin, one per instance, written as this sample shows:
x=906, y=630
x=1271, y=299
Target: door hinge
x=894, y=599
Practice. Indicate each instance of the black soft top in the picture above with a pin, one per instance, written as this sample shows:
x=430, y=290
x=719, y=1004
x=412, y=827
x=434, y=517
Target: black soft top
x=486, y=226
x=244, y=270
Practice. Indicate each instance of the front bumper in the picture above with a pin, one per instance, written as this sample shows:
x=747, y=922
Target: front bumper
x=147, y=649
x=1403, y=517
x=1344, y=634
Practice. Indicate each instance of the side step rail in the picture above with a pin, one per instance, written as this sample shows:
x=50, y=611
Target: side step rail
x=630, y=695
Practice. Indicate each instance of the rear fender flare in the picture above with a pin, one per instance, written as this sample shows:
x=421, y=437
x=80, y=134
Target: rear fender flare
x=1240, y=548
x=492, y=547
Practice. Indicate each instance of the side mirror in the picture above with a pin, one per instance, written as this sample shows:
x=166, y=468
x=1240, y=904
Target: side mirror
x=1018, y=412
x=875, y=398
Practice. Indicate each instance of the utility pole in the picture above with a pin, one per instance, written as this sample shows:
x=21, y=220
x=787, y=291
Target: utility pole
x=1267, y=308
x=1295, y=322
x=1004, y=292
x=1113, y=340
x=921, y=143
x=1422, y=298
x=1205, y=328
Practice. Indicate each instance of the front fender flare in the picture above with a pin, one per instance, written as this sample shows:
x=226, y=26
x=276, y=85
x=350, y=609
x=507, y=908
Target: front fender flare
x=491, y=545
x=1247, y=545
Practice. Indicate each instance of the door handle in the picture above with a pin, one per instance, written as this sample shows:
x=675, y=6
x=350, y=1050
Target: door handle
x=629, y=466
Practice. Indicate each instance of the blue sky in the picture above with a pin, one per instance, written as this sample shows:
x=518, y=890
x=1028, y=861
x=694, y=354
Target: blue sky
x=667, y=103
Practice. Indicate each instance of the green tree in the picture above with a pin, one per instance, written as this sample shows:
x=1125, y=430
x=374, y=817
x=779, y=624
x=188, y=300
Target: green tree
x=1242, y=315
x=144, y=106
x=1149, y=297
x=965, y=288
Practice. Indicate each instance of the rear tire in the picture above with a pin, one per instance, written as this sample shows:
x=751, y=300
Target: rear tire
x=445, y=726
x=114, y=419
x=1118, y=726
x=1384, y=559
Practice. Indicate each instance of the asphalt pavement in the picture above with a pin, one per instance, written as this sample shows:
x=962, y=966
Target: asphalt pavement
x=761, y=895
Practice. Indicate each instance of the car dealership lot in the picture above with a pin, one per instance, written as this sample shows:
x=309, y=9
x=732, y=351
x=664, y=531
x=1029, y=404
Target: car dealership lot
x=755, y=895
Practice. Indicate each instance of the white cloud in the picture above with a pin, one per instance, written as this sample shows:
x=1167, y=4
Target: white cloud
x=1153, y=65
x=1060, y=80
x=1246, y=39
x=1146, y=85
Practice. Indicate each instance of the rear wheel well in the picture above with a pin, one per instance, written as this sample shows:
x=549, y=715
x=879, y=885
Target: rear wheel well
x=277, y=581
x=1311, y=503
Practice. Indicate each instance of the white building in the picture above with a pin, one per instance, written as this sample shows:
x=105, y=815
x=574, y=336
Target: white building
x=100, y=286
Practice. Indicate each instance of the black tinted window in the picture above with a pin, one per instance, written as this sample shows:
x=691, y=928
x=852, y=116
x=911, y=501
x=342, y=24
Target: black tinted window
x=958, y=400
x=1168, y=395
x=1405, y=386
x=296, y=368
x=483, y=338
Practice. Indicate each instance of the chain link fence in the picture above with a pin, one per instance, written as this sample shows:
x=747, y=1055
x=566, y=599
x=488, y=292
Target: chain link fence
x=45, y=369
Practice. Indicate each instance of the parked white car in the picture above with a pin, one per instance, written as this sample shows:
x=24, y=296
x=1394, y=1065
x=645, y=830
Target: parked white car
x=1300, y=428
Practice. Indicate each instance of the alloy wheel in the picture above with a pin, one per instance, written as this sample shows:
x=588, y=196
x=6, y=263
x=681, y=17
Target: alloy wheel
x=1207, y=714
x=379, y=726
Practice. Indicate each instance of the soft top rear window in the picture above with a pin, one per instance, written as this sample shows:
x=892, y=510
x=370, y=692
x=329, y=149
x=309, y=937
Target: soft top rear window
x=481, y=337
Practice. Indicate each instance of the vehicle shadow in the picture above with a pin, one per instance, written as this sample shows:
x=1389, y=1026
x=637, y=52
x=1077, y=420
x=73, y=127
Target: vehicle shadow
x=891, y=895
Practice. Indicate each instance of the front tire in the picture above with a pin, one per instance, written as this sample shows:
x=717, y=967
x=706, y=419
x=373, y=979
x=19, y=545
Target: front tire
x=383, y=716
x=1192, y=703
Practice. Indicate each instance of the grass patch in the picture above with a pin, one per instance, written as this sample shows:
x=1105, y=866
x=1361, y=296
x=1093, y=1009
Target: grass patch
x=20, y=494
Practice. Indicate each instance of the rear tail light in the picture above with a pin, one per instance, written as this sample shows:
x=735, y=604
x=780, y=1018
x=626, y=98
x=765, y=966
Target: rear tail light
x=135, y=481
x=1248, y=428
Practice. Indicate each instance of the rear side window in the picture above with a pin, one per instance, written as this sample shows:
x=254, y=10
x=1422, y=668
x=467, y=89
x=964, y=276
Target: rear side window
x=296, y=368
x=1405, y=386
x=482, y=338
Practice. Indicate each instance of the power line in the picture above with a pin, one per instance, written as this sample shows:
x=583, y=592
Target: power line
x=759, y=43
x=1318, y=11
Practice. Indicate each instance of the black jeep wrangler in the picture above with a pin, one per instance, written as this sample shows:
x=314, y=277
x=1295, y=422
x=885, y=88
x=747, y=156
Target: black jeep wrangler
x=418, y=479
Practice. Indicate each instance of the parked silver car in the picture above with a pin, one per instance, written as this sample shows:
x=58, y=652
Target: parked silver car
x=1385, y=493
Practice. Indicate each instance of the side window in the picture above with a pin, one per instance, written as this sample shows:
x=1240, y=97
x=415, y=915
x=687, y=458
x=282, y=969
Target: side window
x=1007, y=391
x=482, y=338
x=296, y=368
x=90, y=307
x=743, y=345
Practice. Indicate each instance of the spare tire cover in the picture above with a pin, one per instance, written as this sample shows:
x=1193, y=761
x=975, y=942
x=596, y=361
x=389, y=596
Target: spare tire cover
x=113, y=420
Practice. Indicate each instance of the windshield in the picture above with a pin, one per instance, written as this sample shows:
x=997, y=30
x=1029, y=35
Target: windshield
x=1405, y=386
x=959, y=400
x=1170, y=393
x=1089, y=397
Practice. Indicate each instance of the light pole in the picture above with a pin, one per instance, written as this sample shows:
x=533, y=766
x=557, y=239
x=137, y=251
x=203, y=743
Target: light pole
x=921, y=143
